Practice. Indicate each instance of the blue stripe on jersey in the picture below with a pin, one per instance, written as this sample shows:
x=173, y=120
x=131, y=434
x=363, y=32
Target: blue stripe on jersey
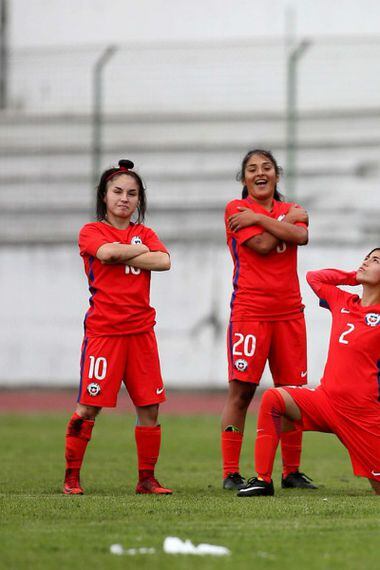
x=84, y=347
x=93, y=290
x=235, y=286
x=378, y=380
x=323, y=303
x=236, y=271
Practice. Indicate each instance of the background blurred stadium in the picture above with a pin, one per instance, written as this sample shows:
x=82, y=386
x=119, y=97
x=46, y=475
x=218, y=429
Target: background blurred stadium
x=185, y=112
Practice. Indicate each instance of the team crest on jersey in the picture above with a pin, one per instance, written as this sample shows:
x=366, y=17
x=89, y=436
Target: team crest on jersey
x=372, y=319
x=241, y=364
x=136, y=240
x=93, y=389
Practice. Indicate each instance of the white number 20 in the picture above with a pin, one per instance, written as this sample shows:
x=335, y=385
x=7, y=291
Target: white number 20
x=342, y=337
x=248, y=342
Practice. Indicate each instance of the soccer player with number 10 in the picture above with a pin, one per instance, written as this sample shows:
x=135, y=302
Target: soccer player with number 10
x=119, y=342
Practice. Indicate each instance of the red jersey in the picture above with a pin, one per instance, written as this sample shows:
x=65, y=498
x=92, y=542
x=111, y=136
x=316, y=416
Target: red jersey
x=119, y=302
x=352, y=372
x=266, y=287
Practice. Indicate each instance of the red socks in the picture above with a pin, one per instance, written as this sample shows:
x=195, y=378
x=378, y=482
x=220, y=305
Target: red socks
x=231, y=442
x=272, y=408
x=291, y=447
x=78, y=435
x=148, y=443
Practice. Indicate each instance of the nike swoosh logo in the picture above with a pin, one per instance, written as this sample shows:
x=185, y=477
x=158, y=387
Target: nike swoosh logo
x=375, y=473
x=344, y=311
x=160, y=390
x=249, y=489
x=303, y=374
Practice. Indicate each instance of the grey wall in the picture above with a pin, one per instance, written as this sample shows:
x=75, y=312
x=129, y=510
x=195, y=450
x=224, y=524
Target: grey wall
x=44, y=298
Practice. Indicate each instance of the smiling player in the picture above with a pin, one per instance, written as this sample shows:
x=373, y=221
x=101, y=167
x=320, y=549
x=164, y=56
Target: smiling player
x=119, y=342
x=347, y=402
x=267, y=321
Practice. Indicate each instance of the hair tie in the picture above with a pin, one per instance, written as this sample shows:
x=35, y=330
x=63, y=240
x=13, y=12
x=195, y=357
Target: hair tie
x=124, y=166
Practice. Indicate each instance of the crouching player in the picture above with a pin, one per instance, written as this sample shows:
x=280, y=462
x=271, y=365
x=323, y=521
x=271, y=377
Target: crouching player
x=347, y=402
x=119, y=342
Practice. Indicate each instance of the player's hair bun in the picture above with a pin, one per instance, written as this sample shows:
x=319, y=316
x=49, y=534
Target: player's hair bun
x=125, y=163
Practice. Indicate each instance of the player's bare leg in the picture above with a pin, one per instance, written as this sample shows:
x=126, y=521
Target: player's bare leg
x=148, y=443
x=375, y=486
x=78, y=435
x=239, y=397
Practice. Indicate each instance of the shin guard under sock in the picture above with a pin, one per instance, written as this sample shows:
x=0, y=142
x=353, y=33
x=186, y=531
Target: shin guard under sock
x=231, y=442
x=148, y=443
x=272, y=409
x=78, y=435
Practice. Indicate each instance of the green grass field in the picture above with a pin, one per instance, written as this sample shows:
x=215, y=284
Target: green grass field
x=336, y=526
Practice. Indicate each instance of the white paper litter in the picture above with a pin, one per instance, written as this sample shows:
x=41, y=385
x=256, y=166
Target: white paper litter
x=174, y=545
x=119, y=550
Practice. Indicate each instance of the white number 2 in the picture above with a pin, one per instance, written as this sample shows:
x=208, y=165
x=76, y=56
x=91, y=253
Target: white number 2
x=98, y=368
x=342, y=338
x=249, y=345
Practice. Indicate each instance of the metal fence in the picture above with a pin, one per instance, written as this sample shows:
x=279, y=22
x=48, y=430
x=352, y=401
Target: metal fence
x=186, y=113
x=202, y=77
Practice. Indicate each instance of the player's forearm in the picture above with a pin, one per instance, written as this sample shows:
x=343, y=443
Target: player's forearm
x=284, y=231
x=317, y=279
x=114, y=253
x=263, y=243
x=151, y=261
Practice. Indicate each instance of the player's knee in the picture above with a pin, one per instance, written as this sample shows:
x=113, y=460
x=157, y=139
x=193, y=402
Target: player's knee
x=273, y=400
x=87, y=412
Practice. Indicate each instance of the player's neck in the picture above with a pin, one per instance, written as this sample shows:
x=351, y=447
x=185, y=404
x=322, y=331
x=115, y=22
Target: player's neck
x=371, y=296
x=267, y=203
x=116, y=222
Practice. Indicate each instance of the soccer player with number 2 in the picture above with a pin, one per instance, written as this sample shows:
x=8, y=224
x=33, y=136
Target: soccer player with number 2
x=119, y=343
x=267, y=321
x=347, y=402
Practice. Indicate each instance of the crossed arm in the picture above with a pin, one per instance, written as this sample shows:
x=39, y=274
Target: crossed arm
x=133, y=255
x=275, y=230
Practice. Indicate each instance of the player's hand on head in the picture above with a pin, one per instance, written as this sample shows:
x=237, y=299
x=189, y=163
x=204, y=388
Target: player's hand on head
x=244, y=218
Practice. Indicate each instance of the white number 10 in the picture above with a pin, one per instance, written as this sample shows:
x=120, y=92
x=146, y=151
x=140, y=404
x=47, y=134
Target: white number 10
x=98, y=368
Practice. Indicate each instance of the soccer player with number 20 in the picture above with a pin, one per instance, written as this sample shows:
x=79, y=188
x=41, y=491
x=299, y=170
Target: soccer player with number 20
x=267, y=321
x=119, y=342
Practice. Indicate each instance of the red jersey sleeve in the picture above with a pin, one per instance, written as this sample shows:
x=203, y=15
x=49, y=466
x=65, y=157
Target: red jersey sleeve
x=90, y=239
x=324, y=284
x=152, y=241
x=243, y=235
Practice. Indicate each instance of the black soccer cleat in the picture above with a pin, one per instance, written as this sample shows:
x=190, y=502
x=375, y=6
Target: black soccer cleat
x=234, y=482
x=256, y=488
x=297, y=480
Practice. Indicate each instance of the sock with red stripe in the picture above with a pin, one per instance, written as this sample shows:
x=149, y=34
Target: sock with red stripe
x=78, y=434
x=148, y=443
x=291, y=446
x=231, y=442
x=272, y=409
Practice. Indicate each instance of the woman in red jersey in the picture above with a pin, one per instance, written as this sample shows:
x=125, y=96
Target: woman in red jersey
x=347, y=402
x=267, y=321
x=119, y=342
